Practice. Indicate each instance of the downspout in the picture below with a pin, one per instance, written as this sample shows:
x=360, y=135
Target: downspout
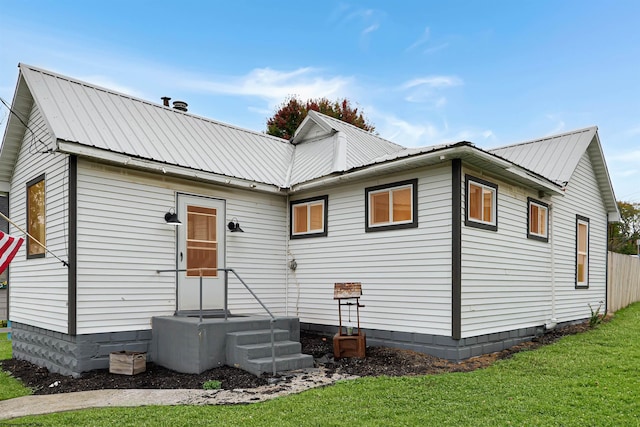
x=553, y=322
x=286, y=258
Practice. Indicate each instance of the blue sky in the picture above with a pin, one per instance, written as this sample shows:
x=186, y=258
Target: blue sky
x=424, y=72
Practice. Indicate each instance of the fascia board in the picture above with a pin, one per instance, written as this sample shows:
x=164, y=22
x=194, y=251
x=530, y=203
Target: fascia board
x=444, y=154
x=158, y=167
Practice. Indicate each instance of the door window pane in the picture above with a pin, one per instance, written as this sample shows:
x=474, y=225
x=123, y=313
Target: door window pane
x=202, y=242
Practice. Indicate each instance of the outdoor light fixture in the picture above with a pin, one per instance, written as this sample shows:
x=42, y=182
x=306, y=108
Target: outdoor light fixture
x=172, y=217
x=234, y=226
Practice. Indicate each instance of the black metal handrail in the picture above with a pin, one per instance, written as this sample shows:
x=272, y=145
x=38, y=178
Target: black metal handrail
x=226, y=295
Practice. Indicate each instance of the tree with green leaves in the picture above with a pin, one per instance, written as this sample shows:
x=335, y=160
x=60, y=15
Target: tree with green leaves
x=292, y=112
x=623, y=235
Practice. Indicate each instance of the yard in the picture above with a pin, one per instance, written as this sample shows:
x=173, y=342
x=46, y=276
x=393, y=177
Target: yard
x=585, y=379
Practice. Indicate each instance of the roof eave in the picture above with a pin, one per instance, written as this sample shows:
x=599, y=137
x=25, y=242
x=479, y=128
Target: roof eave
x=602, y=175
x=125, y=160
x=311, y=120
x=464, y=151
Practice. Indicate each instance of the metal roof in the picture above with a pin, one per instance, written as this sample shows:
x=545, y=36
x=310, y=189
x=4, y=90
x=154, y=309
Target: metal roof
x=92, y=121
x=555, y=157
x=104, y=119
x=325, y=145
x=362, y=146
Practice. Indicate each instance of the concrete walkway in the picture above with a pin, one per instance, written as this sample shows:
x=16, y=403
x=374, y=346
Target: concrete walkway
x=5, y=330
x=46, y=404
x=294, y=382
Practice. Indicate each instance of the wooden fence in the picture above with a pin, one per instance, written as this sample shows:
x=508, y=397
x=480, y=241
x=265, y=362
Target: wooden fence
x=3, y=304
x=623, y=287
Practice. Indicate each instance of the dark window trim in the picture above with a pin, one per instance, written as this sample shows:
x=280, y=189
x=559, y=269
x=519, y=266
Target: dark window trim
x=456, y=249
x=414, y=202
x=73, y=246
x=535, y=236
x=583, y=219
x=325, y=229
x=35, y=180
x=469, y=222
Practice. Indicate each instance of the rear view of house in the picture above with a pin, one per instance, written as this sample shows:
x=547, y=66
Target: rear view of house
x=460, y=251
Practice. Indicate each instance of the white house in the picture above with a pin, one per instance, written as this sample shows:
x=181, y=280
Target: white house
x=460, y=251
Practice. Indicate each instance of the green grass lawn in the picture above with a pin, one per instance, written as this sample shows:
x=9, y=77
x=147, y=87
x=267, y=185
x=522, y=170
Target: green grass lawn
x=9, y=387
x=591, y=379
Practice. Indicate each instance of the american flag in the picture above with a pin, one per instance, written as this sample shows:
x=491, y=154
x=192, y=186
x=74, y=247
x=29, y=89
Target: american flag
x=9, y=246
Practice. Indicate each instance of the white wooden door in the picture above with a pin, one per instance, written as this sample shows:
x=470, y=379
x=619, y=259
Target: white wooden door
x=201, y=251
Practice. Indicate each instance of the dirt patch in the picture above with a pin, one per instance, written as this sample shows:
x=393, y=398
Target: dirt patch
x=379, y=361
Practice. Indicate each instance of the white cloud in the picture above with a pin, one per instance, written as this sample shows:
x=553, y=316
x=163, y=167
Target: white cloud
x=424, y=41
x=558, y=126
x=367, y=19
x=370, y=29
x=630, y=156
x=408, y=134
x=433, y=82
x=424, y=38
x=441, y=102
x=275, y=85
x=633, y=131
x=626, y=173
x=436, y=48
x=423, y=89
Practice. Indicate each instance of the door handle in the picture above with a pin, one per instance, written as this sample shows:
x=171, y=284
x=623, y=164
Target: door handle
x=181, y=257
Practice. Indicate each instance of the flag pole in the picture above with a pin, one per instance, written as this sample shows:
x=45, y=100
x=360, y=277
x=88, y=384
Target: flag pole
x=65, y=263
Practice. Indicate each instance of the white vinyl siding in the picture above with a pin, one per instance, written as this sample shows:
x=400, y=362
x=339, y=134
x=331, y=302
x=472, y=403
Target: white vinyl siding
x=405, y=273
x=123, y=239
x=582, y=198
x=505, y=275
x=39, y=286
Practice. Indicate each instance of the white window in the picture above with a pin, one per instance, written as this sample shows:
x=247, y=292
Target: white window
x=582, y=252
x=482, y=204
x=391, y=206
x=538, y=215
x=308, y=217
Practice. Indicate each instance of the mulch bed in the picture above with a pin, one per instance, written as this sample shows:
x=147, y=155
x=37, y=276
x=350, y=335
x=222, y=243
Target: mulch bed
x=379, y=361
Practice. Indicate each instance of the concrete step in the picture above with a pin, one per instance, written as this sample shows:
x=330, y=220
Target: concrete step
x=289, y=362
x=259, y=336
x=256, y=351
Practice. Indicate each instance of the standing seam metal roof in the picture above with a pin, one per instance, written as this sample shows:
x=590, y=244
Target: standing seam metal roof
x=85, y=114
x=97, y=117
x=554, y=157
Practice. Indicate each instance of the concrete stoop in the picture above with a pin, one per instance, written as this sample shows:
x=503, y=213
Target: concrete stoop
x=251, y=351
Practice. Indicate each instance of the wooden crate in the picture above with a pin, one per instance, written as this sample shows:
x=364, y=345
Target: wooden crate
x=127, y=362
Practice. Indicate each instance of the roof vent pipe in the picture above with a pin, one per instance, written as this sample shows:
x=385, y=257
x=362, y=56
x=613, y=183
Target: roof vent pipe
x=165, y=101
x=180, y=105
